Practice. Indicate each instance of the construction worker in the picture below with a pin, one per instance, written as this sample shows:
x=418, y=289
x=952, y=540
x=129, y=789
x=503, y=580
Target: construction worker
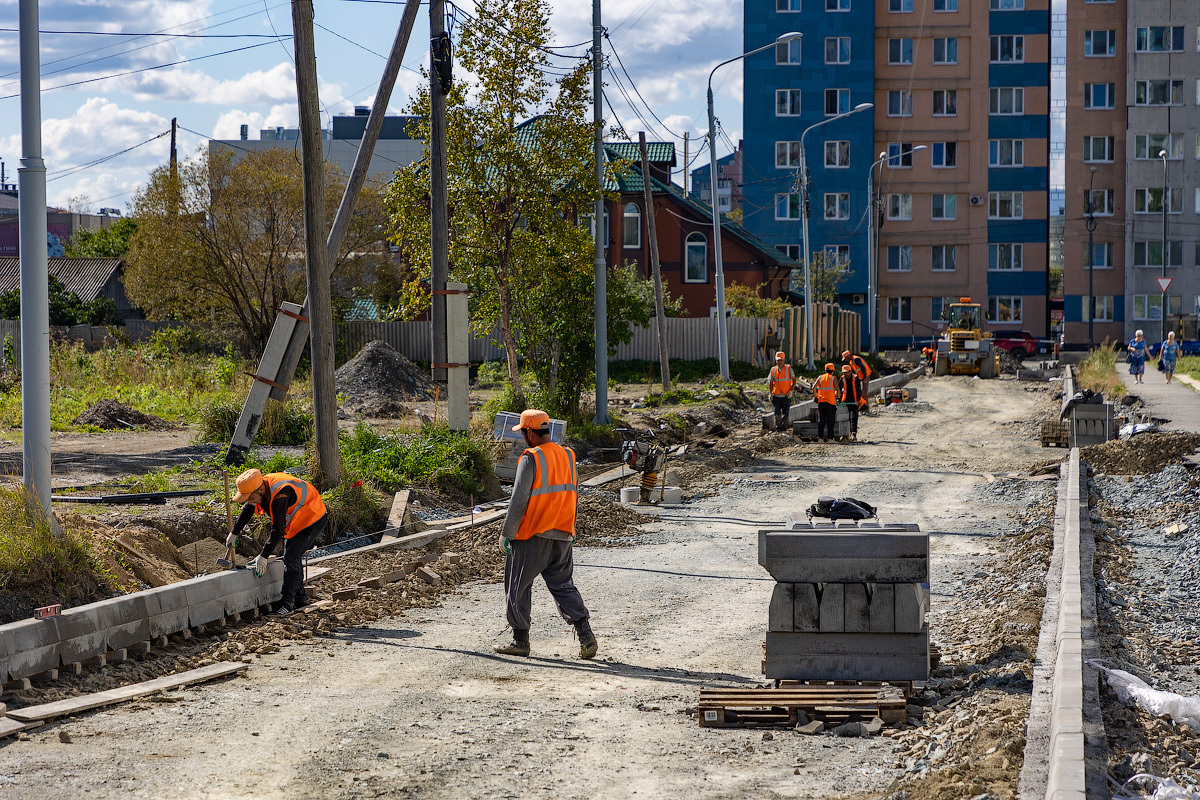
x=825, y=389
x=863, y=370
x=298, y=517
x=852, y=397
x=538, y=533
x=782, y=380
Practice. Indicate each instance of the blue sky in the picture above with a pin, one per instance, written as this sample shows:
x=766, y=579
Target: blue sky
x=123, y=95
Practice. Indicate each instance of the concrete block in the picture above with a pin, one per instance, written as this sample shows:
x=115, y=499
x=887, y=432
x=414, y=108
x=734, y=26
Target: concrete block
x=397, y=575
x=270, y=585
x=858, y=608
x=129, y=622
x=31, y=646
x=850, y=656
x=372, y=583
x=910, y=608
x=82, y=632
x=206, y=597
x=806, y=612
x=347, y=593
x=4, y=668
x=166, y=609
x=883, y=608
x=844, y=555
x=832, y=597
x=429, y=576
x=780, y=611
x=452, y=558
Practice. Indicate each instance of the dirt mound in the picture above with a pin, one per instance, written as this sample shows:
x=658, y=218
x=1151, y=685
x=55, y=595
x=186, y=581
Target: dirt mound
x=378, y=382
x=109, y=414
x=1009, y=364
x=1145, y=453
x=600, y=521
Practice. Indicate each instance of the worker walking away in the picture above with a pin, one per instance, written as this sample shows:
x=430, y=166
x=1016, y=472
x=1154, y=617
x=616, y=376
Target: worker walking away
x=863, y=370
x=825, y=389
x=852, y=397
x=783, y=382
x=298, y=517
x=538, y=533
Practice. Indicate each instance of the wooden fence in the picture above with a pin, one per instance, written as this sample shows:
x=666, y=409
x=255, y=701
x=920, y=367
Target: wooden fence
x=835, y=330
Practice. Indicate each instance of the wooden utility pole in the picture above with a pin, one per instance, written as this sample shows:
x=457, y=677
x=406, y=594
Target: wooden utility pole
x=439, y=84
x=685, y=162
x=320, y=306
x=599, y=266
x=660, y=314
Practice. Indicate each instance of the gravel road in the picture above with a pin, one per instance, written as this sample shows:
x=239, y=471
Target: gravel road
x=418, y=706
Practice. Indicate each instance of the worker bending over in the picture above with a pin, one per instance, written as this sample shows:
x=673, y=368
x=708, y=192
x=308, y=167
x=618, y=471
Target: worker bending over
x=852, y=396
x=538, y=533
x=298, y=517
x=783, y=382
x=863, y=370
x=825, y=389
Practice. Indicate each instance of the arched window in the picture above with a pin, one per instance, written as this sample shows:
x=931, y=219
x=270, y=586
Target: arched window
x=631, y=233
x=696, y=253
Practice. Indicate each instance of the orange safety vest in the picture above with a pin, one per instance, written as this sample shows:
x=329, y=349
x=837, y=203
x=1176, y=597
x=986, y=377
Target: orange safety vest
x=825, y=388
x=860, y=367
x=552, y=501
x=850, y=390
x=308, y=508
x=782, y=381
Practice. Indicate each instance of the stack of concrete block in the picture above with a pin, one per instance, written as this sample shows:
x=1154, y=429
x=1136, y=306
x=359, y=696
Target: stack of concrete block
x=850, y=601
x=807, y=428
x=1092, y=423
x=502, y=431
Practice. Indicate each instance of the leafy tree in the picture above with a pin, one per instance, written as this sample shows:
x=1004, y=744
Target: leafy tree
x=108, y=242
x=746, y=301
x=223, y=241
x=65, y=307
x=827, y=275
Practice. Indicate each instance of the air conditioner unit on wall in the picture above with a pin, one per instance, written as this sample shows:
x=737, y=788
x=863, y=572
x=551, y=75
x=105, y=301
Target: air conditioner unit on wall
x=858, y=299
x=976, y=199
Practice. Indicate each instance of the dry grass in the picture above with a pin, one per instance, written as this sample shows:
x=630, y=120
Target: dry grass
x=1098, y=372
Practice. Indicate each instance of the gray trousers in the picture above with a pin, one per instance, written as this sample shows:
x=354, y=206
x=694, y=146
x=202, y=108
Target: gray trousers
x=550, y=558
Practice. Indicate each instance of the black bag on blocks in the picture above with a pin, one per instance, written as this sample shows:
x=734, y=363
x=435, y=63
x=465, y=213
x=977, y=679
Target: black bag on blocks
x=845, y=508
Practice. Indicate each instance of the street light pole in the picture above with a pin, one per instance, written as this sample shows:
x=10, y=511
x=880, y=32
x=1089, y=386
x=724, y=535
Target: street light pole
x=1163, y=155
x=872, y=256
x=1091, y=262
x=804, y=181
x=722, y=335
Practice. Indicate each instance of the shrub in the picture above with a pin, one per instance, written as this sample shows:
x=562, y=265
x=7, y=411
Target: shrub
x=33, y=559
x=1098, y=372
x=283, y=424
x=436, y=457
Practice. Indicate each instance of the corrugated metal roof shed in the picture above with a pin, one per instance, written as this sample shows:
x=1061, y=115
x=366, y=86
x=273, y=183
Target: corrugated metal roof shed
x=85, y=277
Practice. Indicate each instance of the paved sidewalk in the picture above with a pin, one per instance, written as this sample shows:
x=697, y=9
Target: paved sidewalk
x=1176, y=402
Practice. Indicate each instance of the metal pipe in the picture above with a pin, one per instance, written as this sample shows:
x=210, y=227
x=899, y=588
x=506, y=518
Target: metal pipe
x=1163, y=314
x=1091, y=262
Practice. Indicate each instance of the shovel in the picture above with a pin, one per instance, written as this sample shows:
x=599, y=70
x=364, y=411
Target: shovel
x=230, y=559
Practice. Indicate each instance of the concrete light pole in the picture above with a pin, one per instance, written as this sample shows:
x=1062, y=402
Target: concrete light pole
x=804, y=181
x=1163, y=155
x=873, y=242
x=1091, y=262
x=722, y=335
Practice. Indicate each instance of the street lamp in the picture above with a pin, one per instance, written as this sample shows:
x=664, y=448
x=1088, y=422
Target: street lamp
x=1163, y=155
x=1091, y=262
x=873, y=241
x=722, y=335
x=808, y=309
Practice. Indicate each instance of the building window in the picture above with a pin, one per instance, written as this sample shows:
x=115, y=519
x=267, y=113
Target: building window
x=1008, y=5
x=1150, y=201
x=1006, y=205
x=696, y=247
x=837, y=101
x=1158, y=93
x=792, y=251
x=631, y=231
x=943, y=257
x=1149, y=254
x=899, y=206
x=1006, y=257
x=1006, y=153
x=899, y=258
x=945, y=5
x=1006, y=100
x=1004, y=308
x=899, y=155
x=1102, y=202
x=1098, y=148
x=837, y=154
x=787, y=102
x=945, y=154
x=591, y=225
x=945, y=206
x=900, y=103
x=1101, y=256
x=837, y=205
x=1160, y=39
x=787, y=206
x=788, y=52
x=1099, y=43
x=787, y=155
x=899, y=309
x=1008, y=49
x=1099, y=95
x=938, y=306
x=1147, y=306
x=787, y=6
x=900, y=6
x=945, y=51
x=1147, y=146
x=837, y=5
x=1103, y=308
x=900, y=51
x=945, y=102
x=836, y=254
x=837, y=50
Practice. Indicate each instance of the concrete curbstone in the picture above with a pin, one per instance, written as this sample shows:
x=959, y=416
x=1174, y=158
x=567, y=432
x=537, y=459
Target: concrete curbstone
x=83, y=632
x=166, y=610
x=129, y=622
x=31, y=646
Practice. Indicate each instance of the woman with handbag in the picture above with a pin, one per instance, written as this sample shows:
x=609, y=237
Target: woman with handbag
x=1139, y=351
x=1168, y=356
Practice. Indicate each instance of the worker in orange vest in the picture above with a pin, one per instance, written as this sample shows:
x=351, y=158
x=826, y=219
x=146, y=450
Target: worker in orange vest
x=298, y=517
x=863, y=370
x=825, y=389
x=852, y=397
x=782, y=380
x=538, y=533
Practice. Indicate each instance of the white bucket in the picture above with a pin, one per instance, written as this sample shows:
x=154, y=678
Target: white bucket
x=629, y=494
x=672, y=495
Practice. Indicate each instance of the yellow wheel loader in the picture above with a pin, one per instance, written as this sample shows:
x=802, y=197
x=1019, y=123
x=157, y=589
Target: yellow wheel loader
x=964, y=348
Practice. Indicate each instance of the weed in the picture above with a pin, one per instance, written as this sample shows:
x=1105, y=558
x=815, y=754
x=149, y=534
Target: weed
x=437, y=457
x=283, y=424
x=492, y=373
x=354, y=506
x=1098, y=372
x=1190, y=366
x=35, y=560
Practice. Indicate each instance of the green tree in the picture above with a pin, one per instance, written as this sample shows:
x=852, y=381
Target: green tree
x=111, y=241
x=827, y=275
x=65, y=307
x=747, y=301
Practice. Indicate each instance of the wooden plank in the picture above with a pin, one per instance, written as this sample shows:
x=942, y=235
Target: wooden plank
x=314, y=575
x=11, y=727
x=404, y=542
x=616, y=473
x=76, y=705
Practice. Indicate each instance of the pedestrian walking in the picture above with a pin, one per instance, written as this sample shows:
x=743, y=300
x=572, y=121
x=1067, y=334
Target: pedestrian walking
x=1168, y=356
x=782, y=380
x=825, y=389
x=298, y=517
x=538, y=533
x=851, y=397
x=863, y=370
x=1139, y=351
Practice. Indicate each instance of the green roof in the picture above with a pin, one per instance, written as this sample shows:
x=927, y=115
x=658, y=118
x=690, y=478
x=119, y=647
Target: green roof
x=655, y=151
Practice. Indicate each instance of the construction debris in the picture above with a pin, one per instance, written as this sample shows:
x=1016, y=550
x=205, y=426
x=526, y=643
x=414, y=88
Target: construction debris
x=112, y=415
x=1147, y=453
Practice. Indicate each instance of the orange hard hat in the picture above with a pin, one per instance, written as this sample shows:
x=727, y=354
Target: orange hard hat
x=534, y=420
x=829, y=367
x=845, y=368
x=247, y=483
x=845, y=354
x=780, y=354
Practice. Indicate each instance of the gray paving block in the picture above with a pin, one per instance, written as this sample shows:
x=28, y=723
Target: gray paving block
x=166, y=609
x=3, y=668
x=270, y=585
x=31, y=646
x=780, y=611
x=883, y=608
x=910, y=607
x=206, y=598
x=806, y=613
x=858, y=608
x=83, y=632
x=848, y=656
x=832, y=597
x=129, y=621
x=844, y=555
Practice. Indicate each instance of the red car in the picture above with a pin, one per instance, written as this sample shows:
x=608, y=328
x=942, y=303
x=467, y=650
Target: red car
x=1021, y=344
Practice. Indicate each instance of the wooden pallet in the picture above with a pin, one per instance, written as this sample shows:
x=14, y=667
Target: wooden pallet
x=1055, y=433
x=770, y=708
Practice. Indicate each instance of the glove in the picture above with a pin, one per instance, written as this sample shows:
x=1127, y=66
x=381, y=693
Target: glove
x=231, y=540
x=505, y=544
x=258, y=564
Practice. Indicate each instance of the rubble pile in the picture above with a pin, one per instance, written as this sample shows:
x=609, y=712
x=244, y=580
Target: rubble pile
x=112, y=415
x=1147, y=452
x=380, y=383
x=601, y=521
x=1009, y=364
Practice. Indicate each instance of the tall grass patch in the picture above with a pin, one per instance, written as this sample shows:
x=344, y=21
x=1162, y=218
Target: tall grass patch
x=33, y=560
x=1098, y=372
x=283, y=424
x=436, y=458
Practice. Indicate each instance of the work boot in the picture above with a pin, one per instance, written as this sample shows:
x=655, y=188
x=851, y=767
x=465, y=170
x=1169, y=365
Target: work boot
x=587, y=639
x=519, y=646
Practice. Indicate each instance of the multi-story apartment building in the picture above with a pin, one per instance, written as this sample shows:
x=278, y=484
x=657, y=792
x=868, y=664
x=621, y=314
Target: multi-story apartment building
x=961, y=127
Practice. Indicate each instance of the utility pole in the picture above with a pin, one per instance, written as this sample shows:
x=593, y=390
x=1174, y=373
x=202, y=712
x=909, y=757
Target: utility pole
x=686, y=134
x=660, y=314
x=35, y=284
x=439, y=85
x=174, y=156
x=1165, y=199
x=599, y=267
x=1091, y=262
x=320, y=305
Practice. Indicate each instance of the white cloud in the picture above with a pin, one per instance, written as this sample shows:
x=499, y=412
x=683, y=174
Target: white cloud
x=253, y=88
x=98, y=128
x=228, y=125
x=635, y=25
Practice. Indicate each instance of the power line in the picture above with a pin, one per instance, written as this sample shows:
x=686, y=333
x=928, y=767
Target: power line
x=141, y=35
x=66, y=172
x=633, y=85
